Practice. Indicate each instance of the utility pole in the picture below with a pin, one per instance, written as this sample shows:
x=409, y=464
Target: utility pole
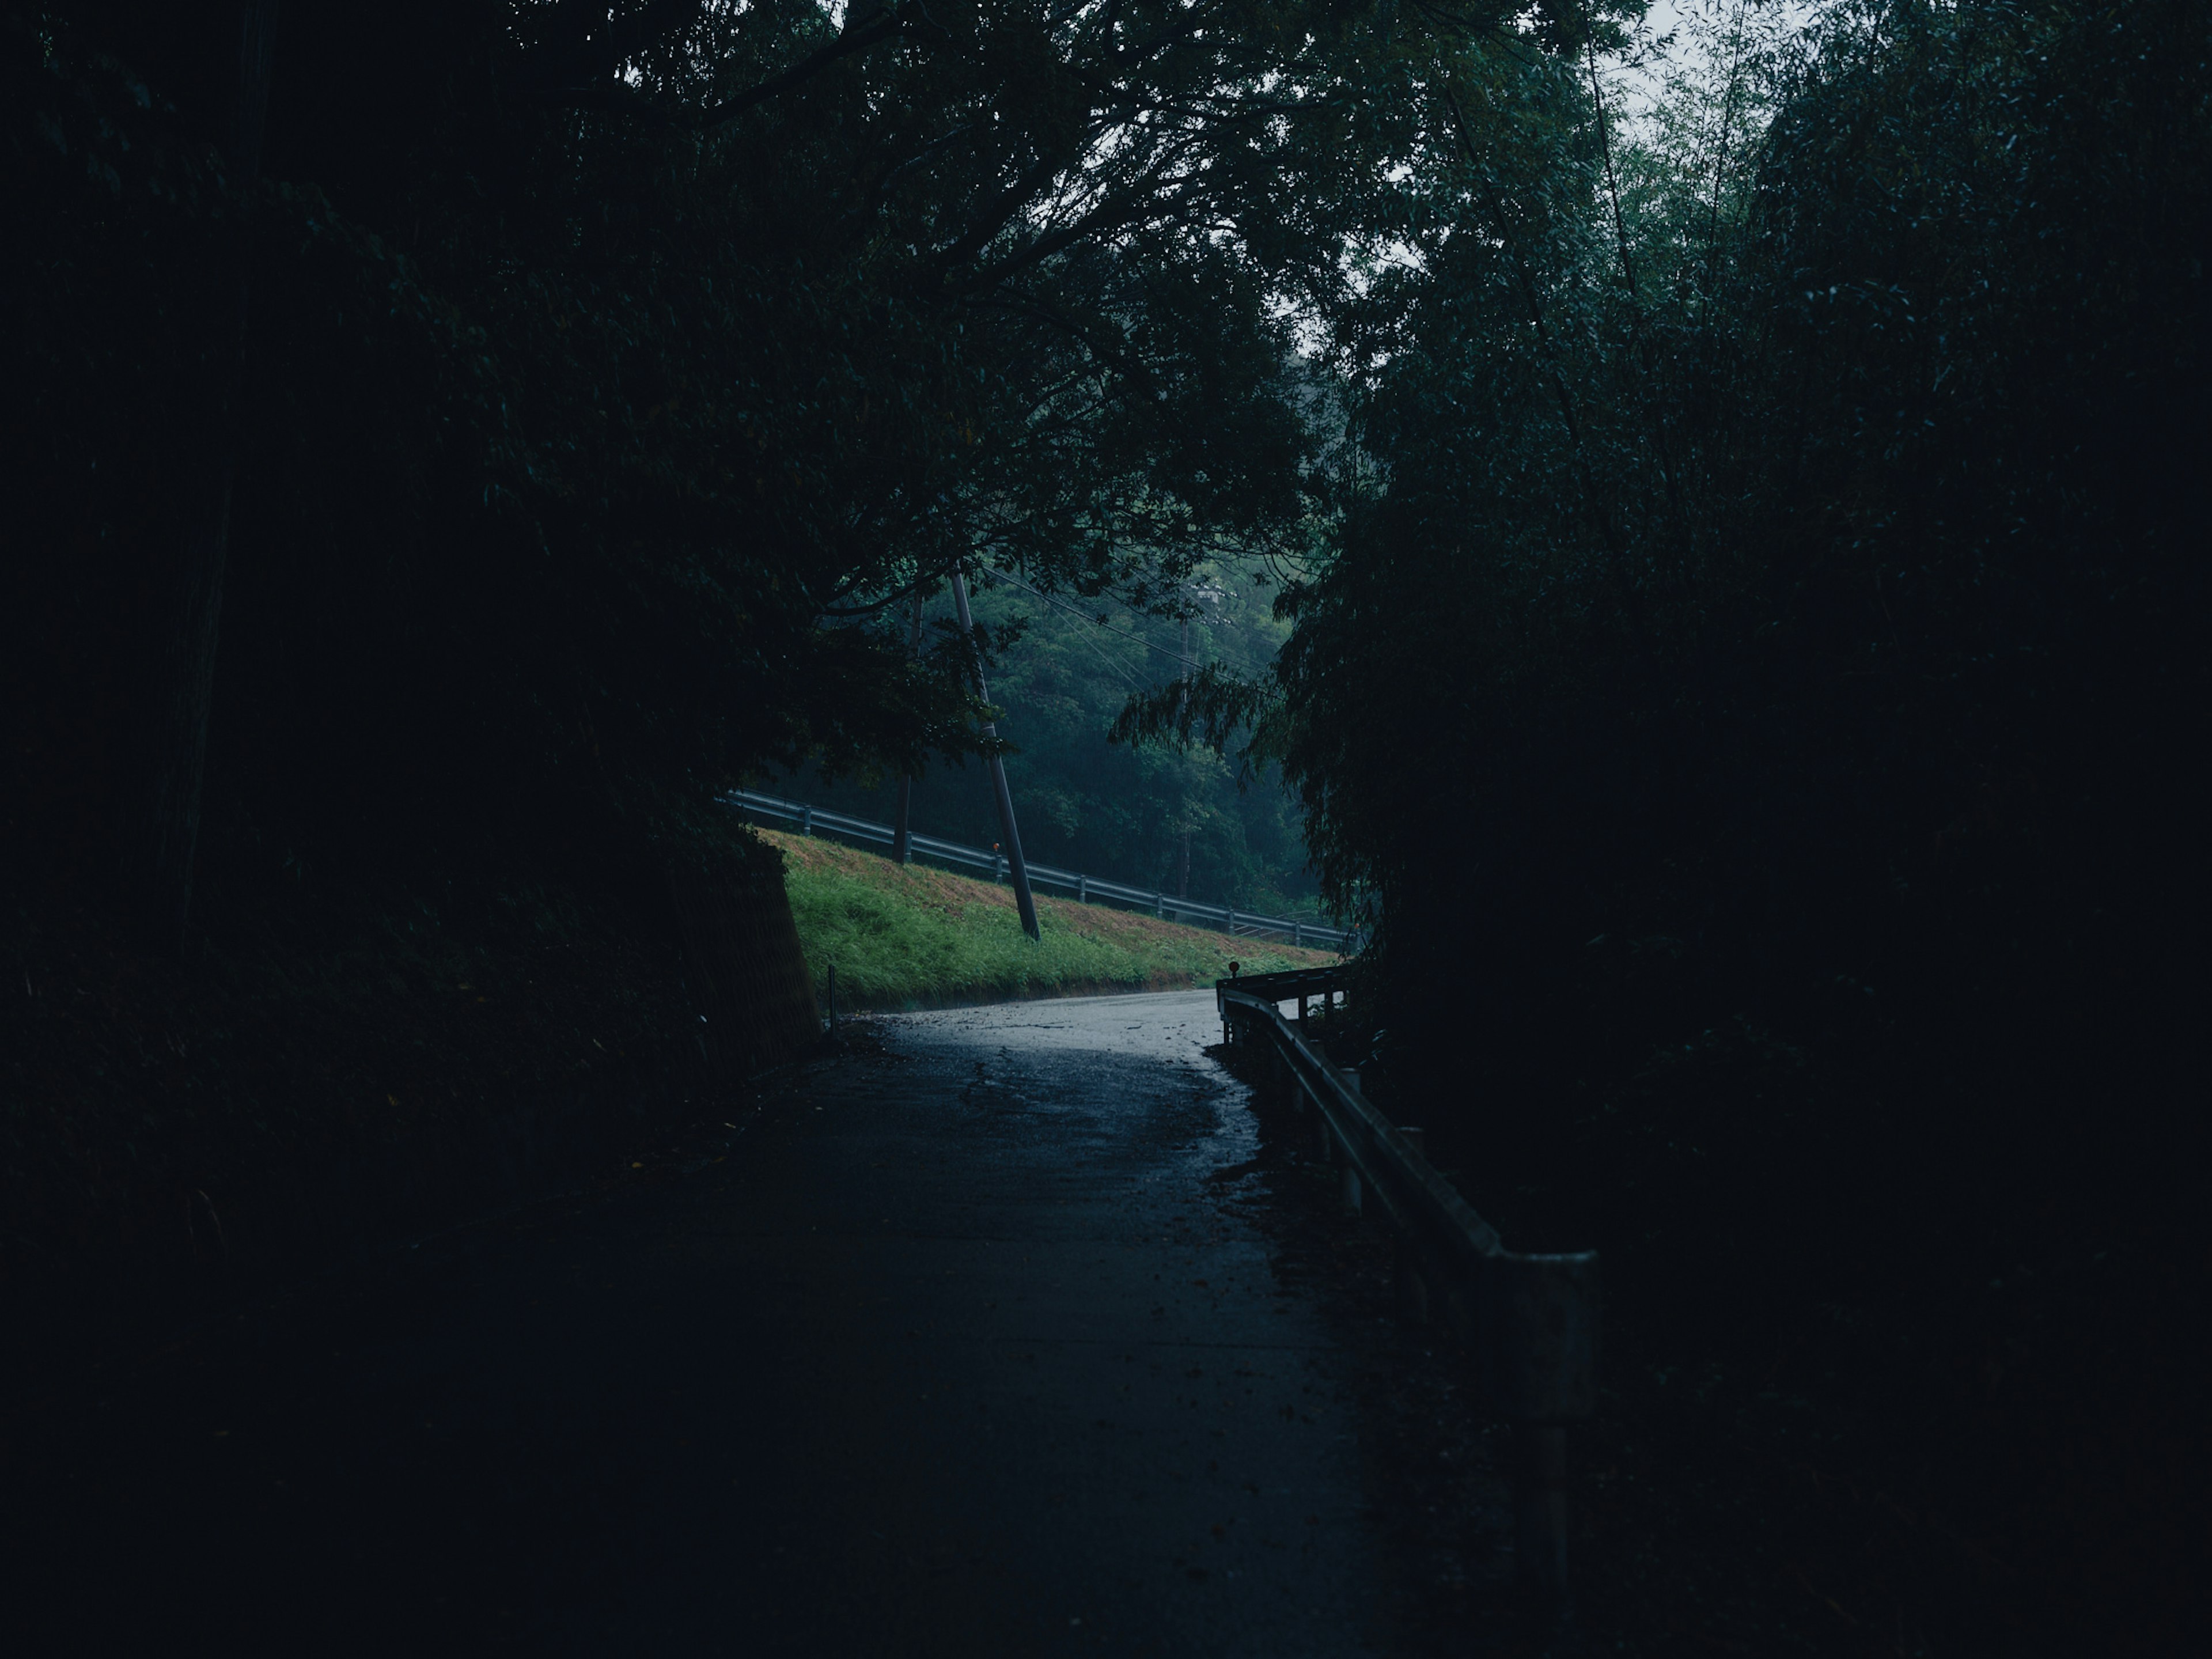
x=1182, y=711
x=901, y=849
x=1015, y=864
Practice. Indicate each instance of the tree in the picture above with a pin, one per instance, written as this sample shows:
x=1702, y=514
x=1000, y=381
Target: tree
x=617, y=372
x=168, y=837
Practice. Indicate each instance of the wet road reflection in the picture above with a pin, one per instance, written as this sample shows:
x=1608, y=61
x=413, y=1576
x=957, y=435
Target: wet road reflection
x=971, y=1346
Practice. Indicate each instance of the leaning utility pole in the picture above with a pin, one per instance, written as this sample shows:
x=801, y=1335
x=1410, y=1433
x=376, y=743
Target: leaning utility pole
x=1182, y=711
x=1015, y=864
x=902, y=847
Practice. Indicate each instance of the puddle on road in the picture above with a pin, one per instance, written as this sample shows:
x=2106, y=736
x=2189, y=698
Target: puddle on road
x=1182, y=1116
x=987, y=1094
x=1129, y=1075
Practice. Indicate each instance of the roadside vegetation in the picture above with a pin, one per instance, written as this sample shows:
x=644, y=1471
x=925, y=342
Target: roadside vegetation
x=442, y=456
x=920, y=938
x=1085, y=802
x=1736, y=648
x=1795, y=498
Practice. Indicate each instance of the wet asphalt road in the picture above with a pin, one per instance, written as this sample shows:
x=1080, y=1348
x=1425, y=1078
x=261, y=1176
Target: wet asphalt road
x=971, y=1347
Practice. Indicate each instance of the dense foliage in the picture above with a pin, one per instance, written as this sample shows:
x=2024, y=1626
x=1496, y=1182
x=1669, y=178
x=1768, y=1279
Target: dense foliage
x=1746, y=561
x=1128, y=812
x=611, y=375
x=1751, y=678
x=1803, y=554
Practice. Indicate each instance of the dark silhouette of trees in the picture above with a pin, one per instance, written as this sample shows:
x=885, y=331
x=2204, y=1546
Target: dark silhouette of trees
x=1751, y=681
x=614, y=374
x=189, y=621
x=1746, y=568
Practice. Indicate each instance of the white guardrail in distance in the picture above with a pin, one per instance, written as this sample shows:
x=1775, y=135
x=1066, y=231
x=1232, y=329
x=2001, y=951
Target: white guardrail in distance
x=1088, y=889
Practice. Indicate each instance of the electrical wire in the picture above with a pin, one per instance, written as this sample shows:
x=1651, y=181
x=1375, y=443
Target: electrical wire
x=1098, y=622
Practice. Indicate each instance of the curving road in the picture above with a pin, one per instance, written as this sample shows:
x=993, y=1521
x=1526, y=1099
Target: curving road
x=970, y=1346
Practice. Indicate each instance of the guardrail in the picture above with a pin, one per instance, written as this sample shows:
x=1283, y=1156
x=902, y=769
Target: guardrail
x=1530, y=1320
x=1086, y=889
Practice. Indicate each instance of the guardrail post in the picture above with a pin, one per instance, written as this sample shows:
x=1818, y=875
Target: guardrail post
x=806, y=822
x=1231, y=927
x=1408, y=1284
x=1539, y=1506
x=1082, y=890
x=1539, y=1324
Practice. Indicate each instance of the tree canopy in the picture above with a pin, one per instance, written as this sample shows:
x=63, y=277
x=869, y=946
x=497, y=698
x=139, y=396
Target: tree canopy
x=1748, y=670
x=611, y=372
x=1740, y=557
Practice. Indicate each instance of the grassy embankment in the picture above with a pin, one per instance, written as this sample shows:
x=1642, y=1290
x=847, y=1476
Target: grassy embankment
x=922, y=938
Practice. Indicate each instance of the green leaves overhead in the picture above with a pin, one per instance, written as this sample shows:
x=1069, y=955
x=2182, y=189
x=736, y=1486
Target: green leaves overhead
x=616, y=369
x=1761, y=532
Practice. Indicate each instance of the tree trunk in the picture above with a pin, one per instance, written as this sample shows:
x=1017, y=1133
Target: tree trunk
x=166, y=840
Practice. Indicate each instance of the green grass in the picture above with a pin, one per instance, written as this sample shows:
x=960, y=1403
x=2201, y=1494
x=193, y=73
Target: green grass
x=921, y=938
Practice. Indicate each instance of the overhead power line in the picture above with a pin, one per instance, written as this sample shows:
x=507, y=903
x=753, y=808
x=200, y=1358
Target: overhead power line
x=1098, y=622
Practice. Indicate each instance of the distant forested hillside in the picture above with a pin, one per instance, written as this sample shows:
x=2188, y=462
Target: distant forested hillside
x=1125, y=812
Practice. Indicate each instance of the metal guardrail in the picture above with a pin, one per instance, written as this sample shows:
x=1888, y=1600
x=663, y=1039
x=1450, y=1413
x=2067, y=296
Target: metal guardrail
x=1531, y=1320
x=1086, y=889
